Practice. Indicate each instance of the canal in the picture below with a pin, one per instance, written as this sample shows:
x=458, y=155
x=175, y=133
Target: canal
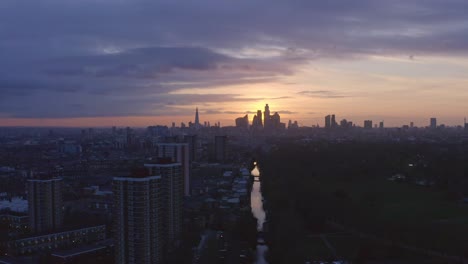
x=256, y=203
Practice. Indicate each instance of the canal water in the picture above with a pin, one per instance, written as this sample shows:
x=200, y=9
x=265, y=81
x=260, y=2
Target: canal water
x=256, y=202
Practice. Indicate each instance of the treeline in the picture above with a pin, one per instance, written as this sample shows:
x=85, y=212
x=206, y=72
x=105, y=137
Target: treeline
x=306, y=185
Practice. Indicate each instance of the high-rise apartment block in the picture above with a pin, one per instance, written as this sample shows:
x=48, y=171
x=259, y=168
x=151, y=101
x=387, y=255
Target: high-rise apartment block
x=179, y=153
x=139, y=236
x=172, y=195
x=45, y=204
x=192, y=141
x=220, y=148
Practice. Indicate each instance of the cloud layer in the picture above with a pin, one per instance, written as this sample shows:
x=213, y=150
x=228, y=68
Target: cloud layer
x=121, y=58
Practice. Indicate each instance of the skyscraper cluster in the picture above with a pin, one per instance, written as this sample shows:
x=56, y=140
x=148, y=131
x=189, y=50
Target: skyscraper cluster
x=330, y=121
x=269, y=122
x=368, y=124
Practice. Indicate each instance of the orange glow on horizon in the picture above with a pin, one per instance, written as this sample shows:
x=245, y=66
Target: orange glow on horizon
x=133, y=121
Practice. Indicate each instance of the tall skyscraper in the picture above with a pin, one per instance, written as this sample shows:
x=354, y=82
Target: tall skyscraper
x=259, y=118
x=197, y=119
x=333, y=121
x=368, y=124
x=255, y=122
x=172, y=193
x=220, y=148
x=328, y=121
x=242, y=122
x=178, y=152
x=266, y=117
x=275, y=121
x=381, y=124
x=45, y=204
x=433, y=122
x=138, y=219
x=192, y=142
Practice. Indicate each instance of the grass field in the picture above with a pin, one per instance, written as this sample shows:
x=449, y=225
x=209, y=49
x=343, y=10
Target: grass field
x=350, y=247
x=407, y=213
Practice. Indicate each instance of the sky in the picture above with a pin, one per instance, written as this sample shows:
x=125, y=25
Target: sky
x=147, y=62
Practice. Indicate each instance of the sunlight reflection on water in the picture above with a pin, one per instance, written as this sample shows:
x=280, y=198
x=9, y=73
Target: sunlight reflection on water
x=256, y=202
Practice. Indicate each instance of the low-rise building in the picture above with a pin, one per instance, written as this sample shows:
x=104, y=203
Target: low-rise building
x=53, y=241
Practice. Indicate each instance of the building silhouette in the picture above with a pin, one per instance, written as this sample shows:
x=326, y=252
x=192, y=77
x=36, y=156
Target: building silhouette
x=272, y=122
x=328, y=121
x=220, y=148
x=433, y=123
x=242, y=122
x=267, y=117
x=179, y=153
x=172, y=193
x=275, y=121
x=192, y=141
x=45, y=204
x=138, y=203
x=368, y=124
x=259, y=118
x=197, y=118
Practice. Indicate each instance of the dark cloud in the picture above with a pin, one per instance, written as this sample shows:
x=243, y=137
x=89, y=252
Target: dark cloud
x=218, y=111
x=138, y=63
x=286, y=112
x=322, y=94
x=130, y=57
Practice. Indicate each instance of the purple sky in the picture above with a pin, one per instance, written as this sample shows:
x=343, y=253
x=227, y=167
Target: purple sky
x=96, y=62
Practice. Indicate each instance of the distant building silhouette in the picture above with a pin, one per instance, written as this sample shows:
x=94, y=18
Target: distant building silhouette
x=192, y=141
x=433, y=123
x=333, y=122
x=275, y=121
x=368, y=124
x=346, y=124
x=220, y=148
x=328, y=121
x=45, y=204
x=197, y=119
x=242, y=122
x=178, y=152
x=292, y=125
x=267, y=117
x=257, y=120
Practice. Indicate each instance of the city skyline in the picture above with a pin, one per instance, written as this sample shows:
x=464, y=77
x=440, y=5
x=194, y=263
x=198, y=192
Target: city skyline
x=395, y=61
x=231, y=120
